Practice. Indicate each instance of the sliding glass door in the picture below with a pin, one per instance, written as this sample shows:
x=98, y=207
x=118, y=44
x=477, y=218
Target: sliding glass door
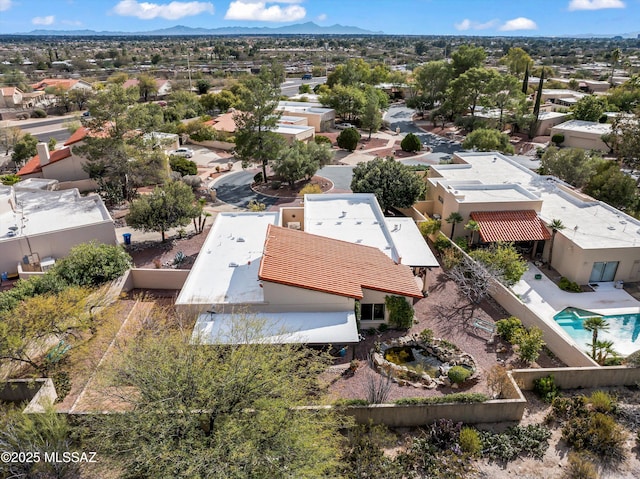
x=603, y=271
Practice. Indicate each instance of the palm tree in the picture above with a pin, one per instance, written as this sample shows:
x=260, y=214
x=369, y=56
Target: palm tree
x=605, y=349
x=595, y=324
x=555, y=225
x=453, y=219
x=473, y=226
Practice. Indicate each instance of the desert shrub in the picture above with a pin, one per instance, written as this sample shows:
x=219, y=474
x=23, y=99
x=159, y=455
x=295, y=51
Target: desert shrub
x=531, y=440
x=470, y=441
x=499, y=382
x=557, y=139
x=348, y=139
x=506, y=328
x=91, y=264
x=563, y=408
x=411, y=143
x=444, y=433
x=442, y=243
x=275, y=185
x=319, y=139
x=430, y=227
x=10, y=179
x=451, y=258
x=633, y=360
x=546, y=388
x=603, y=402
x=446, y=399
x=426, y=336
x=311, y=190
x=458, y=374
x=462, y=243
x=400, y=312
x=38, y=113
x=529, y=343
x=183, y=165
x=580, y=467
x=194, y=181
x=568, y=285
x=62, y=382
x=258, y=178
x=596, y=433
x=205, y=133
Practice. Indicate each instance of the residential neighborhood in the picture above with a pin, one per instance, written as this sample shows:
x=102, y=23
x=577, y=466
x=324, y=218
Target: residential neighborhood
x=264, y=239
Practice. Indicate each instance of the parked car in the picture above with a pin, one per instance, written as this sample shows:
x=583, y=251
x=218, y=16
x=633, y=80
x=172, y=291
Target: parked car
x=344, y=126
x=184, y=152
x=307, y=76
x=86, y=113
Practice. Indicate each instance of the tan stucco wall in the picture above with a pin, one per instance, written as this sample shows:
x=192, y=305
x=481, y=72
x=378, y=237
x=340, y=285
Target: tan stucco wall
x=69, y=169
x=573, y=378
x=56, y=244
x=282, y=298
x=295, y=214
x=577, y=139
x=319, y=122
x=148, y=278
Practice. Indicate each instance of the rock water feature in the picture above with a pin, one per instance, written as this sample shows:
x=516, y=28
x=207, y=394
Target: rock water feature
x=411, y=362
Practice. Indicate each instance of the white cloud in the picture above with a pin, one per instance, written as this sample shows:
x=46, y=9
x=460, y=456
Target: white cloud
x=258, y=10
x=48, y=20
x=322, y=17
x=595, y=4
x=520, y=23
x=5, y=5
x=467, y=24
x=169, y=11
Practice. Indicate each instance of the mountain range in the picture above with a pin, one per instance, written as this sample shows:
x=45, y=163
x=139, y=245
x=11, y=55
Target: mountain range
x=308, y=28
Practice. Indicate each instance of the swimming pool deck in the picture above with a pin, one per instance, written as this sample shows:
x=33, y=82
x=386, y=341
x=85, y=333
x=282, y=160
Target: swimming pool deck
x=545, y=298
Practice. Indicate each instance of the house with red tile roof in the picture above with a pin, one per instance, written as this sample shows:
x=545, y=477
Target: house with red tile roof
x=511, y=203
x=64, y=83
x=303, y=281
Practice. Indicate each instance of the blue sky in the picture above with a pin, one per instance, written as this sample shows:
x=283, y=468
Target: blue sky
x=416, y=17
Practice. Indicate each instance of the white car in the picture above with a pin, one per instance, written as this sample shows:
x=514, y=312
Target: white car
x=185, y=152
x=344, y=126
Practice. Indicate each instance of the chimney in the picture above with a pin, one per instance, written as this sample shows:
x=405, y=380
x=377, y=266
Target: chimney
x=43, y=153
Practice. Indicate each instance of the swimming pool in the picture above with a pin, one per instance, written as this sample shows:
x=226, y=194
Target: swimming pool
x=624, y=329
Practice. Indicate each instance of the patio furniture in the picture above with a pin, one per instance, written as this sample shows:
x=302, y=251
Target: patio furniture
x=484, y=325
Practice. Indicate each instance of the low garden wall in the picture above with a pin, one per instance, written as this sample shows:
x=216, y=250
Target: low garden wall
x=215, y=144
x=149, y=278
x=576, y=378
x=37, y=392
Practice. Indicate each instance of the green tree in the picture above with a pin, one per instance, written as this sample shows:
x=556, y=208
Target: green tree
x=573, y=165
x=488, y=139
x=624, y=140
x=255, y=142
x=24, y=149
x=536, y=106
x=467, y=57
x=504, y=94
x=589, y=108
x=183, y=165
x=296, y=163
x=393, y=184
x=529, y=343
x=147, y=87
x=555, y=226
x=503, y=258
x=411, y=143
x=595, y=324
x=430, y=83
x=517, y=61
x=166, y=207
x=80, y=97
x=202, y=86
x=92, y=264
x=453, y=219
x=371, y=117
x=9, y=136
x=615, y=58
x=348, y=139
x=612, y=186
x=347, y=101
x=355, y=72
x=474, y=85
x=226, y=411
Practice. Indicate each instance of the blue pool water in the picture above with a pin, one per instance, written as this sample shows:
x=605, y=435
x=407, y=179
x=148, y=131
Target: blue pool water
x=624, y=329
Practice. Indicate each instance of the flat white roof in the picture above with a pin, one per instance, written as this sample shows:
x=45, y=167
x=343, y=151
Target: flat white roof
x=27, y=211
x=478, y=193
x=588, y=223
x=277, y=328
x=285, y=129
x=303, y=107
x=547, y=115
x=411, y=246
x=353, y=217
x=226, y=269
x=584, y=126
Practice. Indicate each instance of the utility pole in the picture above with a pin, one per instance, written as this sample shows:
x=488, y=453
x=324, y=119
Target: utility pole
x=189, y=70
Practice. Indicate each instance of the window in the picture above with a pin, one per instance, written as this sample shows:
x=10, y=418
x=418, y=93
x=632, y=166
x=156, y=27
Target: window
x=440, y=199
x=372, y=312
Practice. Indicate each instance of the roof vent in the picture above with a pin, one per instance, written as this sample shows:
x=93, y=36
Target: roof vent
x=359, y=241
x=240, y=239
x=358, y=222
x=375, y=223
x=233, y=264
x=387, y=247
x=338, y=222
x=319, y=223
x=344, y=213
x=611, y=228
x=623, y=222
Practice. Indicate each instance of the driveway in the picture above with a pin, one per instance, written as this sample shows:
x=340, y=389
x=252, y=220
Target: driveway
x=235, y=188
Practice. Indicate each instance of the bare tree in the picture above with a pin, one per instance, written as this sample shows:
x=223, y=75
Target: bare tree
x=475, y=280
x=378, y=384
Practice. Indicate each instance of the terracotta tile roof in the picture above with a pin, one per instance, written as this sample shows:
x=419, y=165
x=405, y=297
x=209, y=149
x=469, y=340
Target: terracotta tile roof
x=303, y=260
x=33, y=165
x=224, y=122
x=77, y=136
x=522, y=225
x=54, y=82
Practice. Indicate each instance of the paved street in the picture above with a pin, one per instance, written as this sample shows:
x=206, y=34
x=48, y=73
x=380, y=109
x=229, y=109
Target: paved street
x=291, y=85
